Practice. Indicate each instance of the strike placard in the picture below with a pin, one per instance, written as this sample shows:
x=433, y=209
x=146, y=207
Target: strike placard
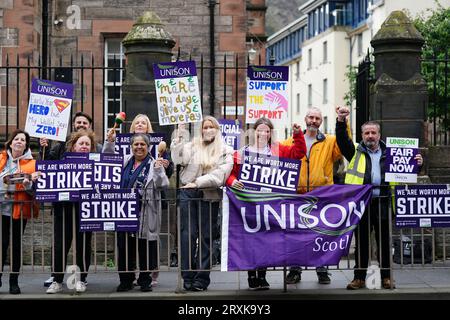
x=400, y=165
x=48, y=113
x=269, y=174
x=62, y=180
x=267, y=94
x=123, y=140
x=116, y=210
x=107, y=168
x=177, y=92
x=422, y=206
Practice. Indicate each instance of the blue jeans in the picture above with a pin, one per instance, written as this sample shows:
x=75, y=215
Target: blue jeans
x=201, y=217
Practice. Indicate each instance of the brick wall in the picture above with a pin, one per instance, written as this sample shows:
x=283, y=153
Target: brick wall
x=236, y=22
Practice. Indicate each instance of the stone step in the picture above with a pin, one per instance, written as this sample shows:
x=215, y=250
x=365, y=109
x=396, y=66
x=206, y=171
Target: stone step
x=440, y=179
x=439, y=157
x=434, y=172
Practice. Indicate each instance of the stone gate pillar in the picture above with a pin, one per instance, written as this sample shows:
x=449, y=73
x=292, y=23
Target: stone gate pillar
x=399, y=96
x=145, y=44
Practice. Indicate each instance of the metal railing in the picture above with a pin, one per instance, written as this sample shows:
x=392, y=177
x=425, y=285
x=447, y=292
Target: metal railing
x=419, y=249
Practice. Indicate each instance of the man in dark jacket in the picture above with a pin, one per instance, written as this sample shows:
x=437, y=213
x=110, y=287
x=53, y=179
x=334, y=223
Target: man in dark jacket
x=367, y=167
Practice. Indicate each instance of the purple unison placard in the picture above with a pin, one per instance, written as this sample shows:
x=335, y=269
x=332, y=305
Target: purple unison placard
x=273, y=230
x=422, y=206
x=114, y=210
x=267, y=94
x=231, y=132
x=62, y=180
x=123, y=140
x=177, y=92
x=107, y=168
x=266, y=173
x=48, y=113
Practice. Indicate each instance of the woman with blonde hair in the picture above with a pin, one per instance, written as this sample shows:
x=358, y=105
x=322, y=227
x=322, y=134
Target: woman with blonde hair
x=206, y=162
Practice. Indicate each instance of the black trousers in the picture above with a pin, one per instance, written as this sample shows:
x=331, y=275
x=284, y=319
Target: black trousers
x=11, y=228
x=148, y=257
x=66, y=225
x=375, y=219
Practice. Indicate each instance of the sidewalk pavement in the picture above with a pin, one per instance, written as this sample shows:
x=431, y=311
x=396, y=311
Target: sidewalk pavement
x=412, y=283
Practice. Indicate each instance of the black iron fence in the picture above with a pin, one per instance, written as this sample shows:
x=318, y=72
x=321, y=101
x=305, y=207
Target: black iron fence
x=435, y=71
x=98, y=87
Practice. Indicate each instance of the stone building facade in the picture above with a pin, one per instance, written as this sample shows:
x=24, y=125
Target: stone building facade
x=91, y=30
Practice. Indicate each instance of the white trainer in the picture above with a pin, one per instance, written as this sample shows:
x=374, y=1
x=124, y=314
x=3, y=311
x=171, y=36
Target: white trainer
x=55, y=287
x=80, y=286
x=49, y=281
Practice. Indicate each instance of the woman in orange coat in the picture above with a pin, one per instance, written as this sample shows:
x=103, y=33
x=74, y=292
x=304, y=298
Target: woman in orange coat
x=16, y=200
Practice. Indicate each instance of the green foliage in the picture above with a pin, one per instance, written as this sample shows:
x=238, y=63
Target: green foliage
x=109, y=263
x=350, y=95
x=436, y=31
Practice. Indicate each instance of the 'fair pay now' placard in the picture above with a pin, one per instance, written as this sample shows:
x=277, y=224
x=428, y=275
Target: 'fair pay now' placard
x=400, y=163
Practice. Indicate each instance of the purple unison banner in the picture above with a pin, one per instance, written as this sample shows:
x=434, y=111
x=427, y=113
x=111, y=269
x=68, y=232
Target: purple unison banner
x=62, y=180
x=107, y=168
x=422, y=206
x=123, y=140
x=231, y=132
x=274, y=230
x=265, y=173
x=115, y=210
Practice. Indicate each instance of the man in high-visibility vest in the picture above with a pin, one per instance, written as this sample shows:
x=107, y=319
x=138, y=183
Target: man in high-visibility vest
x=317, y=166
x=367, y=167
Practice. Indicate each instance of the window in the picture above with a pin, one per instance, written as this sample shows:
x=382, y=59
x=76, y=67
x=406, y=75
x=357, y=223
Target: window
x=309, y=59
x=114, y=77
x=309, y=95
x=325, y=52
x=298, y=103
x=297, y=70
x=325, y=91
x=316, y=22
x=359, y=40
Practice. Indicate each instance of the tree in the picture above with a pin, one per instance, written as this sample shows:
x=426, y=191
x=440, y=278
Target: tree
x=350, y=95
x=436, y=31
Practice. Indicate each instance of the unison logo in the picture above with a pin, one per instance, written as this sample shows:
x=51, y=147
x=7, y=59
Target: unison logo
x=263, y=73
x=49, y=88
x=171, y=71
x=332, y=219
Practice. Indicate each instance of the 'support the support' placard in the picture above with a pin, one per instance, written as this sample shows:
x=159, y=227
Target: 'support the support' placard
x=267, y=94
